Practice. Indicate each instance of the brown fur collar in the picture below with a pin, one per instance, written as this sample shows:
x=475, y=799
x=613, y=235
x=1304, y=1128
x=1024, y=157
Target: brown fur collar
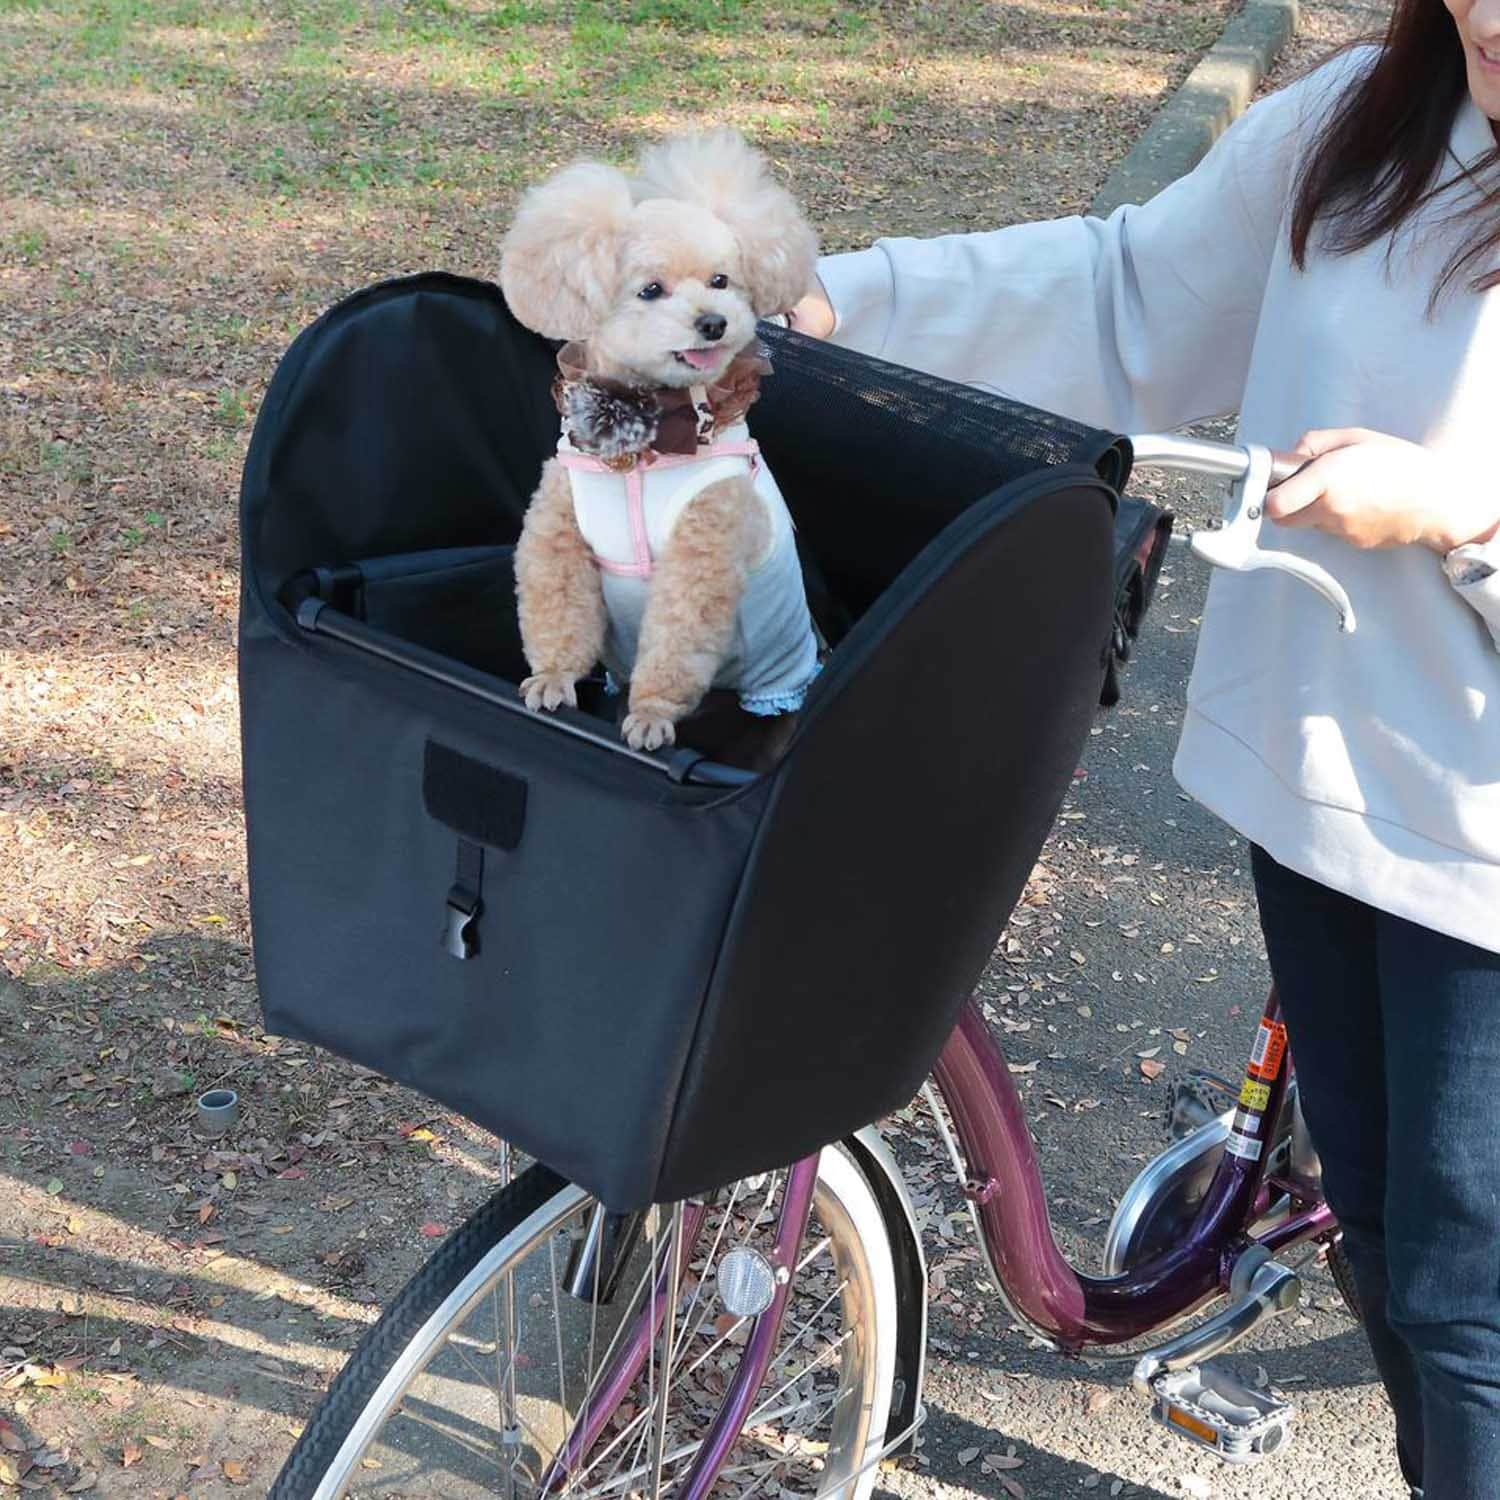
x=617, y=423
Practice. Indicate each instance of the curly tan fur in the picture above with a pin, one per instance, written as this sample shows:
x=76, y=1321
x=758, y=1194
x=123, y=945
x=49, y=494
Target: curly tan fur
x=559, y=264
x=689, y=621
x=636, y=268
x=719, y=170
x=558, y=595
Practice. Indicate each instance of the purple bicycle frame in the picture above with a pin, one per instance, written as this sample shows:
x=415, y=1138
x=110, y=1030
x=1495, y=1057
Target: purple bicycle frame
x=1066, y=1306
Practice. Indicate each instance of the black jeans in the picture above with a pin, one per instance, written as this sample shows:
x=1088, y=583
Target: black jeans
x=1396, y=1034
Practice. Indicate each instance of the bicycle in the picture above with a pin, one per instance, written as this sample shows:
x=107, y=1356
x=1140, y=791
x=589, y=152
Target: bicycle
x=769, y=1338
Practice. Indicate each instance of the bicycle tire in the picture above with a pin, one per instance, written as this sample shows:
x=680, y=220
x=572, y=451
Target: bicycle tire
x=1343, y=1278
x=305, y=1474
x=386, y=1339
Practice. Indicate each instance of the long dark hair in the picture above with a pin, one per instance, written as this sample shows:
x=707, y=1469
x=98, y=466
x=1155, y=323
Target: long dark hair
x=1373, y=161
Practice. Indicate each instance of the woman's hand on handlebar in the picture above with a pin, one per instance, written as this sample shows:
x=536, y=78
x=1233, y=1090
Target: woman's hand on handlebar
x=1374, y=490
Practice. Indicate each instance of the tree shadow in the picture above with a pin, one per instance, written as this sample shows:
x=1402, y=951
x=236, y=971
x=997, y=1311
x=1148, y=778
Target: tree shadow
x=1040, y=1472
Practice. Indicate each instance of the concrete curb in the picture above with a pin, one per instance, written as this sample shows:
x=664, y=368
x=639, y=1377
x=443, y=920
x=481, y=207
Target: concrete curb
x=1212, y=96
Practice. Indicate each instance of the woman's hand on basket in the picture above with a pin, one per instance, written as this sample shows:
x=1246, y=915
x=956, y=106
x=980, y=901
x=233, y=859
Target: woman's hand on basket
x=1374, y=490
x=813, y=315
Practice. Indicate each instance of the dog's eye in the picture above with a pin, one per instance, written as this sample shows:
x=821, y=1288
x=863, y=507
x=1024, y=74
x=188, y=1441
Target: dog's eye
x=651, y=291
x=719, y=282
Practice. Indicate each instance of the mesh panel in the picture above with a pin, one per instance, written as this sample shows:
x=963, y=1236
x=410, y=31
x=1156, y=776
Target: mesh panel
x=875, y=460
x=884, y=407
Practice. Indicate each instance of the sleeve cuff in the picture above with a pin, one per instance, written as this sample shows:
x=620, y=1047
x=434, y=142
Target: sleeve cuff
x=862, y=290
x=1474, y=572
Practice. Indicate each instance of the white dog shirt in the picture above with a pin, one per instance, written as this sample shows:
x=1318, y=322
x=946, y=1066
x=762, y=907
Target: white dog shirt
x=627, y=518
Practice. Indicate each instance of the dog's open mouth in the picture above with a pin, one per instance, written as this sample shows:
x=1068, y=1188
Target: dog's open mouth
x=700, y=359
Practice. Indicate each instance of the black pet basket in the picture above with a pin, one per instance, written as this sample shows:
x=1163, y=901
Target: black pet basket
x=651, y=972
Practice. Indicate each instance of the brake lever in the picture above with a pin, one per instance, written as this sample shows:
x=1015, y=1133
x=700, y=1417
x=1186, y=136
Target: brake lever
x=1236, y=545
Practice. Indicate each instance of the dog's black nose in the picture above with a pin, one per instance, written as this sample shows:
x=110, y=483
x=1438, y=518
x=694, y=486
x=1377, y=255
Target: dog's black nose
x=711, y=326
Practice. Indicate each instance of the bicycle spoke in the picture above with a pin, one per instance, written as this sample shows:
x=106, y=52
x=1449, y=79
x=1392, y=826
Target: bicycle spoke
x=741, y=1243
x=592, y=1371
x=819, y=1361
x=562, y=1383
x=669, y=1335
x=724, y=1218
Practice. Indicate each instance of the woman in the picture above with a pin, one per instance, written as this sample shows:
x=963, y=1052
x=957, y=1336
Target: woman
x=1331, y=269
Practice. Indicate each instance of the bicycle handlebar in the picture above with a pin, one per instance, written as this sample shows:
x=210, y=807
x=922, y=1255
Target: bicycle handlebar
x=1252, y=470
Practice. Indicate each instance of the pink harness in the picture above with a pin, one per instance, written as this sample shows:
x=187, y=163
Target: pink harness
x=643, y=564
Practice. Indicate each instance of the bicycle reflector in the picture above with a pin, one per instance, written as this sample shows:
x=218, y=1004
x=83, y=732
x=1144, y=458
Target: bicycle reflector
x=747, y=1282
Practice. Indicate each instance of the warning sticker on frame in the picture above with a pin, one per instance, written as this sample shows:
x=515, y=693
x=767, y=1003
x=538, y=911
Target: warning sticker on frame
x=1270, y=1048
x=1255, y=1095
x=1242, y=1146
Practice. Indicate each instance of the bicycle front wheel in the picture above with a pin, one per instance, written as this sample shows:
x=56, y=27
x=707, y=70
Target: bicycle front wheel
x=487, y=1377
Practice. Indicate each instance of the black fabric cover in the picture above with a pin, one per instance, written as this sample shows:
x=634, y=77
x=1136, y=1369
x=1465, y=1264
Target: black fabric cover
x=674, y=984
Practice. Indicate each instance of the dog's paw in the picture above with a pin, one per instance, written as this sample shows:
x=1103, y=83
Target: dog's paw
x=549, y=690
x=648, y=729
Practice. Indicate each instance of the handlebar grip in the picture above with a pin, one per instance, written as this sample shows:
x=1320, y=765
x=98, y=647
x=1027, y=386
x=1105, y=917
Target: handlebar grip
x=1284, y=465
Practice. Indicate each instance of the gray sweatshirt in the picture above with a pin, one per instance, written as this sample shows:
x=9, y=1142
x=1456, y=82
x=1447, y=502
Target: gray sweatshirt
x=1369, y=762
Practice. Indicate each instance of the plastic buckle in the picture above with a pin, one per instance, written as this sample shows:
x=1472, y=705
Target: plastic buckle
x=460, y=932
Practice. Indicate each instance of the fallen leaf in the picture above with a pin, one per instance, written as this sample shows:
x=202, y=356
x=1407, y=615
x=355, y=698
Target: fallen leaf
x=1150, y=1068
x=86, y=1480
x=234, y=1471
x=131, y=1454
x=967, y=1455
x=158, y=1442
x=54, y=1185
x=433, y=1231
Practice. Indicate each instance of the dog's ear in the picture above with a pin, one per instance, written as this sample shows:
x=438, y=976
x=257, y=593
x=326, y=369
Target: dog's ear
x=559, y=261
x=720, y=170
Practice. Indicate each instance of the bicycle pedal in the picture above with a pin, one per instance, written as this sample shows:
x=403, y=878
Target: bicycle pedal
x=1209, y=1405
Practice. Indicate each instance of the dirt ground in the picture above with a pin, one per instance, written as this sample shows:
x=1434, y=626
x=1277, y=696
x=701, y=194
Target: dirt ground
x=184, y=186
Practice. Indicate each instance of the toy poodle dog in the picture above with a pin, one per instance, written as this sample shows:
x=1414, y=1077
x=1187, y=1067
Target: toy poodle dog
x=657, y=540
